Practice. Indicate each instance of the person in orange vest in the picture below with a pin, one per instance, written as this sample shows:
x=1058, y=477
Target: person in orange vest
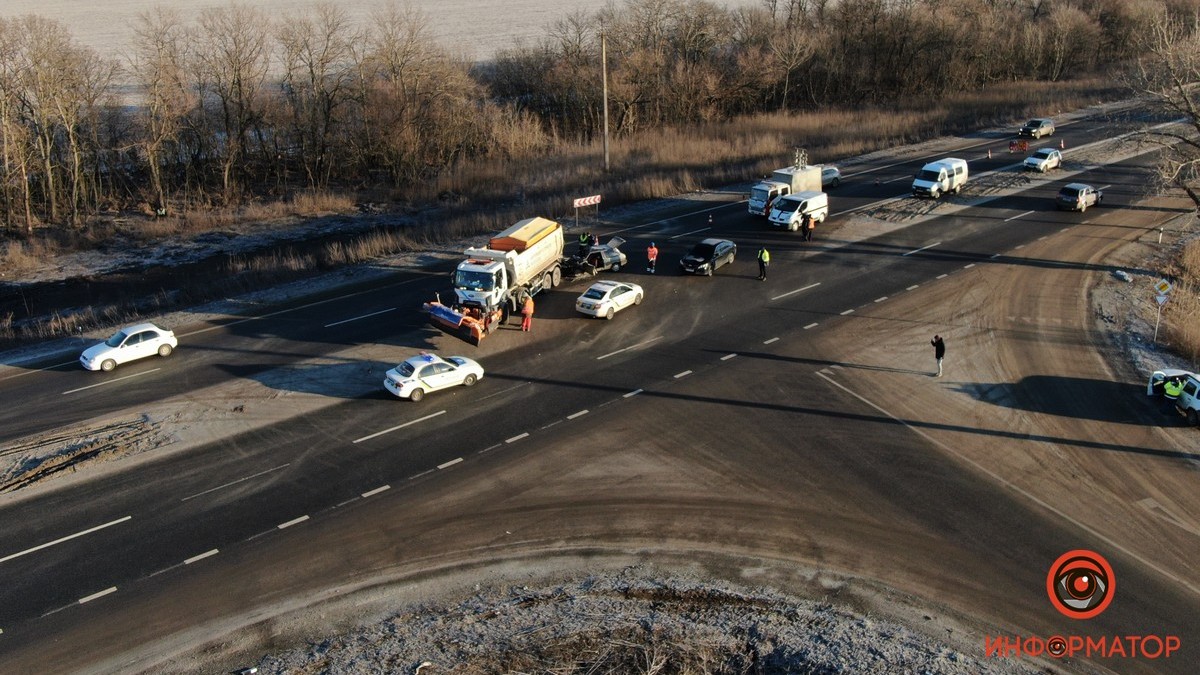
x=527, y=314
x=651, y=257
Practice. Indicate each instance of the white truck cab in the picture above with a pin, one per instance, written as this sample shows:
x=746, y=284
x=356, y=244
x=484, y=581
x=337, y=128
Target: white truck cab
x=937, y=178
x=789, y=211
x=782, y=182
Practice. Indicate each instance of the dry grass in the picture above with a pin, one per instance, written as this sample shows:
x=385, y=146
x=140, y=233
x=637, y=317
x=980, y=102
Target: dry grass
x=1181, y=316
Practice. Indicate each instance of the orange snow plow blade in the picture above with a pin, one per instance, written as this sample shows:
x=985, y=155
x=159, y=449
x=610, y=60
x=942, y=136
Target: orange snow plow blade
x=464, y=325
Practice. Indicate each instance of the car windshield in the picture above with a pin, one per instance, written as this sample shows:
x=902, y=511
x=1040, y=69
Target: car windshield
x=1032, y=123
x=116, y=340
x=758, y=194
x=594, y=294
x=702, y=251
x=785, y=206
x=1043, y=153
x=929, y=174
x=472, y=280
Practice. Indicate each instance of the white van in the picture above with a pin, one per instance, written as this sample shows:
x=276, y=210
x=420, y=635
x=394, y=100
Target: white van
x=789, y=211
x=937, y=178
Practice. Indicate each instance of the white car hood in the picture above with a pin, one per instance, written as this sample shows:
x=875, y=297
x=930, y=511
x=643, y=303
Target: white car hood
x=96, y=351
x=922, y=183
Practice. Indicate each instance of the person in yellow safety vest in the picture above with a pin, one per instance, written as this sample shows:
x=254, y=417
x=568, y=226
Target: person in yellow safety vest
x=1172, y=388
x=527, y=314
x=764, y=259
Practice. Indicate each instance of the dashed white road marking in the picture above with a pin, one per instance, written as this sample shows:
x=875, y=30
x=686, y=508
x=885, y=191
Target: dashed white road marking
x=202, y=556
x=66, y=538
x=504, y=391
x=1041, y=238
x=635, y=392
x=918, y=250
x=967, y=267
x=881, y=299
x=101, y=594
x=797, y=291
x=293, y=521
x=1019, y=215
x=547, y=426
x=516, y=438
x=581, y=413
x=767, y=342
x=235, y=482
x=849, y=311
x=812, y=325
x=450, y=463
x=112, y=381
x=727, y=357
x=372, y=493
x=400, y=426
x=640, y=344
x=490, y=448
x=1018, y=247
x=994, y=256
x=684, y=234
x=417, y=475
x=683, y=374
x=364, y=316
x=941, y=276
x=913, y=287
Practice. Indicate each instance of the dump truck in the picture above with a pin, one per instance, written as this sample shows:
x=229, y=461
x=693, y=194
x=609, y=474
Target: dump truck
x=493, y=282
x=785, y=181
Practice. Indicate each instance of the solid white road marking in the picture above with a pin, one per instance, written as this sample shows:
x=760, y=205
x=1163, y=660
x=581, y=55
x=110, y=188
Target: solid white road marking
x=517, y=437
x=235, y=482
x=683, y=374
x=635, y=392
x=450, y=463
x=881, y=299
x=66, y=538
x=918, y=250
x=202, y=556
x=293, y=521
x=1016, y=488
x=581, y=413
x=797, y=291
x=101, y=594
x=364, y=316
x=400, y=426
x=692, y=232
x=767, y=342
x=913, y=287
x=727, y=357
x=1019, y=215
x=812, y=325
x=640, y=344
x=115, y=379
x=941, y=276
x=849, y=311
x=372, y=493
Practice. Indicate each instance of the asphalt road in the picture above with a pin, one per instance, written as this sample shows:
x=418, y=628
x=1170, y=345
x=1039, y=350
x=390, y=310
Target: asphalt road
x=703, y=419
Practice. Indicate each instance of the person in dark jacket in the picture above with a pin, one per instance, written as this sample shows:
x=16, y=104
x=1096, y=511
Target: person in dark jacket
x=939, y=352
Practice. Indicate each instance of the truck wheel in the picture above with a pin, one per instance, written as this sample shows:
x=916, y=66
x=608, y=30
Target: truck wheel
x=547, y=281
x=556, y=277
x=416, y=395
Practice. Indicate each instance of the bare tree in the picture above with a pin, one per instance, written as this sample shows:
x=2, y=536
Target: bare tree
x=158, y=64
x=1169, y=75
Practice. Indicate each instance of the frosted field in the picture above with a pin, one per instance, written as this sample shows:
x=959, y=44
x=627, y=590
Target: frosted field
x=476, y=29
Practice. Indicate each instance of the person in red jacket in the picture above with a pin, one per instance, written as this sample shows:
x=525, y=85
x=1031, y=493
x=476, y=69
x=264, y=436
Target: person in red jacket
x=527, y=314
x=651, y=257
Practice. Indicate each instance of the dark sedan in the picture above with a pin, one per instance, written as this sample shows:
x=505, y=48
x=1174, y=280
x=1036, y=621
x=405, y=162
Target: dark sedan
x=707, y=256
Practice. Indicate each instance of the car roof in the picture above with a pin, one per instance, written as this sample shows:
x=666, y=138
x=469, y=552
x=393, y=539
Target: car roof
x=713, y=241
x=605, y=284
x=1076, y=186
x=1039, y=120
x=1045, y=151
x=423, y=359
x=139, y=327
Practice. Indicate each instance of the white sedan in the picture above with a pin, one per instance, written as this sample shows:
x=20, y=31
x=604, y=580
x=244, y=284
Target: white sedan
x=831, y=176
x=606, y=298
x=1043, y=160
x=129, y=344
x=428, y=372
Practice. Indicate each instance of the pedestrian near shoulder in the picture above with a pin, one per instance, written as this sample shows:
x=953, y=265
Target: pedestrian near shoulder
x=939, y=352
x=651, y=257
x=764, y=259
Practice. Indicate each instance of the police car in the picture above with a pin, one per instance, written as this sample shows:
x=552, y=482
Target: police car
x=424, y=373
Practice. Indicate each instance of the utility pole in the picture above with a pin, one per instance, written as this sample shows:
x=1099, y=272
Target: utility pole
x=604, y=87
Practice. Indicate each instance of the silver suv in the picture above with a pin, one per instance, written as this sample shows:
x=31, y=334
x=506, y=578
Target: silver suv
x=1036, y=128
x=1188, y=403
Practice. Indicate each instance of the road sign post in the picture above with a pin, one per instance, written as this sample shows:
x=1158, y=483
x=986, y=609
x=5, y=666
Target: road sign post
x=586, y=201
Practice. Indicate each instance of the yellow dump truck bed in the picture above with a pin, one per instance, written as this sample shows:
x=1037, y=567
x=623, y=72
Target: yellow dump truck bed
x=523, y=234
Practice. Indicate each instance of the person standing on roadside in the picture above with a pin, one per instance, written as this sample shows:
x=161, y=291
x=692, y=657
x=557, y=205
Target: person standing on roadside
x=939, y=352
x=764, y=259
x=527, y=314
x=809, y=228
x=805, y=227
x=651, y=257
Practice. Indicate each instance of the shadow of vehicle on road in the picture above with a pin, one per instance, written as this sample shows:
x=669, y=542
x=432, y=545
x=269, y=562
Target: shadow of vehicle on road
x=1080, y=398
